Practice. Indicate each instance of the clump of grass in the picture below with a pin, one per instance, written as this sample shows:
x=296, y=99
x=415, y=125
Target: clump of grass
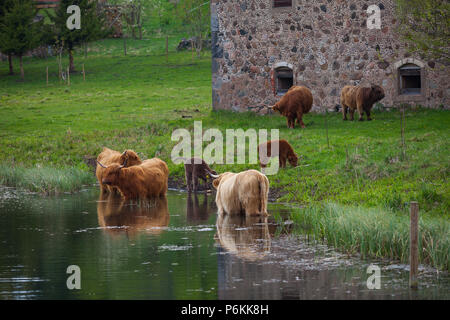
x=375, y=233
x=45, y=180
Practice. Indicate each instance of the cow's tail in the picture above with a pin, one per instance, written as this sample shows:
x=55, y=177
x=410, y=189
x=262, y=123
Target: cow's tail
x=264, y=190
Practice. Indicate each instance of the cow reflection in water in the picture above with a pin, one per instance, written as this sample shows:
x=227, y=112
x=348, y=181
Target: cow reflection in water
x=246, y=237
x=119, y=216
x=196, y=211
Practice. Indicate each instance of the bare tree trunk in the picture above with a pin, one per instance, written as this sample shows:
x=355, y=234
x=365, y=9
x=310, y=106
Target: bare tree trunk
x=22, y=73
x=11, y=70
x=71, y=65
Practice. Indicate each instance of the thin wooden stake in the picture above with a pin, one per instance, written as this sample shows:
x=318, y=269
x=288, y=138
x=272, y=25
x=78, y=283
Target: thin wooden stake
x=46, y=75
x=68, y=76
x=414, y=245
x=84, y=74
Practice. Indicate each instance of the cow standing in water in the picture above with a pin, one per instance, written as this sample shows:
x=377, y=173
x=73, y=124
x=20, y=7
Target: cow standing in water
x=246, y=192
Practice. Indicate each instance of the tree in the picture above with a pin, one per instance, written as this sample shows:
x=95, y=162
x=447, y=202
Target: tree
x=196, y=16
x=20, y=32
x=92, y=26
x=4, y=7
x=425, y=25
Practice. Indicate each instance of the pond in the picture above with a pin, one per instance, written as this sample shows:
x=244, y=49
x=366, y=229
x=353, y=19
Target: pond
x=176, y=248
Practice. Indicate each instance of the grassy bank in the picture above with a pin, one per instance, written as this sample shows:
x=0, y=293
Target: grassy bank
x=45, y=180
x=137, y=101
x=375, y=233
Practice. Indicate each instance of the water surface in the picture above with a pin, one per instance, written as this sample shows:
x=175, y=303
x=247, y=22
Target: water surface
x=176, y=248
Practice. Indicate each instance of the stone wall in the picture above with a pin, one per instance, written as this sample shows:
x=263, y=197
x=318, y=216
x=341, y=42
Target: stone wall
x=326, y=42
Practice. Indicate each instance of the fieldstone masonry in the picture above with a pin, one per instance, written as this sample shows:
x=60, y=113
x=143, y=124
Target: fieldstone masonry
x=326, y=42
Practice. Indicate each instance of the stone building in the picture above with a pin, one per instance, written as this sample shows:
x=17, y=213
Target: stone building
x=262, y=47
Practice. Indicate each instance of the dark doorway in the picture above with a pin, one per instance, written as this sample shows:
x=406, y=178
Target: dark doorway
x=410, y=77
x=285, y=80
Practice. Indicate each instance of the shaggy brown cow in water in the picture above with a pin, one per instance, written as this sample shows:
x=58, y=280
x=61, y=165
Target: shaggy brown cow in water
x=361, y=98
x=294, y=104
x=246, y=192
x=283, y=150
x=108, y=157
x=147, y=180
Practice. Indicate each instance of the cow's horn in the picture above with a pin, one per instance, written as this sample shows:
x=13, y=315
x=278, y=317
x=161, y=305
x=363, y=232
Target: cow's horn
x=124, y=163
x=125, y=152
x=215, y=176
x=101, y=165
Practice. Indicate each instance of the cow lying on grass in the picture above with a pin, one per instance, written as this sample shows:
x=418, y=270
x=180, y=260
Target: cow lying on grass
x=294, y=104
x=361, y=98
x=108, y=157
x=147, y=180
x=246, y=192
x=283, y=150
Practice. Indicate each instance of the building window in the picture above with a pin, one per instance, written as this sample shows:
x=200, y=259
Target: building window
x=282, y=3
x=410, y=79
x=284, y=79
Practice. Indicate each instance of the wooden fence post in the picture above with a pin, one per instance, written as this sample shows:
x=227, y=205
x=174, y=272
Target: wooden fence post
x=84, y=74
x=68, y=76
x=46, y=75
x=414, y=245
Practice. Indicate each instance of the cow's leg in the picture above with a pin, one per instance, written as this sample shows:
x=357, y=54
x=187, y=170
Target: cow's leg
x=291, y=121
x=368, y=114
x=344, y=112
x=195, y=180
x=300, y=119
x=288, y=122
x=282, y=162
x=352, y=114
x=103, y=189
x=361, y=112
x=189, y=180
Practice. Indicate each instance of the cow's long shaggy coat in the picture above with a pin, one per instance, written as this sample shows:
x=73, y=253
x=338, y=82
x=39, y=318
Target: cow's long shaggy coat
x=245, y=192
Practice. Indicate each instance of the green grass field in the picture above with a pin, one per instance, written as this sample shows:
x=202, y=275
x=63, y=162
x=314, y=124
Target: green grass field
x=136, y=101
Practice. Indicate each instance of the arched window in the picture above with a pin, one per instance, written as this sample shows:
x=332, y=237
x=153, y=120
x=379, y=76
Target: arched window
x=410, y=79
x=284, y=79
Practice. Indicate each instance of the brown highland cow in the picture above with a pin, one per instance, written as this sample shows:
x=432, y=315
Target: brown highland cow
x=294, y=104
x=361, y=98
x=147, y=180
x=108, y=157
x=285, y=152
x=195, y=169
